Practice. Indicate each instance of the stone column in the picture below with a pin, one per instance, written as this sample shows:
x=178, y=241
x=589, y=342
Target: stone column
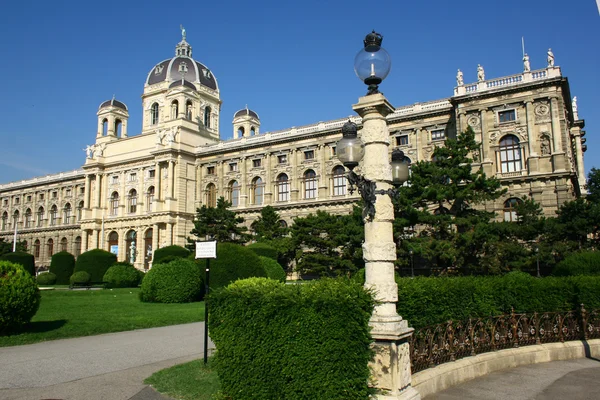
x=323, y=182
x=243, y=183
x=170, y=227
x=295, y=178
x=155, y=239
x=158, y=188
x=141, y=196
x=533, y=159
x=171, y=193
x=98, y=190
x=88, y=195
x=576, y=133
x=268, y=180
x=558, y=155
x=391, y=364
x=84, y=241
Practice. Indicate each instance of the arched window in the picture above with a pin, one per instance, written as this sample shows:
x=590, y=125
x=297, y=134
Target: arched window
x=63, y=244
x=80, y=211
x=257, y=188
x=510, y=213
x=174, y=109
x=132, y=201
x=28, y=218
x=77, y=246
x=149, y=198
x=113, y=243
x=36, y=249
x=339, y=181
x=53, y=215
x=283, y=188
x=252, y=131
x=310, y=184
x=68, y=211
x=131, y=246
x=283, y=224
x=118, y=127
x=114, y=204
x=207, y=111
x=104, y=127
x=40, y=217
x=50, y=245
x=233, y=193
x=25, y=245
x=15, y=218
x=154, y=114
x=510, y=154
x=241, y=131
x=211, y=195
x=188, y=110
x=5, y=221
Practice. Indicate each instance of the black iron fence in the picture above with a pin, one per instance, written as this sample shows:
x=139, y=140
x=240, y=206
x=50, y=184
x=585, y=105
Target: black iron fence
x=437, y=344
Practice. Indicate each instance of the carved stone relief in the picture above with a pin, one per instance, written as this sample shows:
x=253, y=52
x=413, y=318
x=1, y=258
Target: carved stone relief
x=474, y=121
x=542, y=113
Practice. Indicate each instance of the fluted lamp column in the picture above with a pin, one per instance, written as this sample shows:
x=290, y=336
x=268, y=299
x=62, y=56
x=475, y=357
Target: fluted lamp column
x=391, y=364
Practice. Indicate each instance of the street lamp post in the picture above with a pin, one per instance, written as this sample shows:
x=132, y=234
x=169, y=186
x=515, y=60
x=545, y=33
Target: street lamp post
x=537, y=256
x=391, y=364
x=412, y=268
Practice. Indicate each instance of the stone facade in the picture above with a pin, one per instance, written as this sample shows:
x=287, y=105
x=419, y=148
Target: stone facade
x=138, y=193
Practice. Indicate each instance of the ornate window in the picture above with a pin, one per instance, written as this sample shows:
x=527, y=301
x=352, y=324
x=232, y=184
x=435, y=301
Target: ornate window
x=309, y=155
x=50, y=245
x=310, y=184
x=104, y=127
x=63, y=244
x=211, y=195
x=36, y=249
x=283, y=188
x=4, y=221
x=80, y=211
x=114, y=204
x=77, y=246
x=402, y=140
x=149, y=198
x=207, y=111
x=28, y=218
x=15, y=218
x=113, y=242
x=234, y=193
x=132, y=201
x=67, y=212
x=154, y=114
x=437, y=134
x=510, y=154
x=510, y=214
x=507, y=116
x=188, y=110
x=339, y=181
x=174, y=109
x=257, y=188
x=40, y=217
x=53, y=215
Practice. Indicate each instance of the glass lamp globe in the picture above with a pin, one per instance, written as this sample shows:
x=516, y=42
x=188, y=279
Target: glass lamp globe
x=400, y=172
x=350, y=149
x=372, y=64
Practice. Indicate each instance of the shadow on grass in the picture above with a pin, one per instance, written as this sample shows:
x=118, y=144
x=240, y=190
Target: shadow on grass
x=44, y=326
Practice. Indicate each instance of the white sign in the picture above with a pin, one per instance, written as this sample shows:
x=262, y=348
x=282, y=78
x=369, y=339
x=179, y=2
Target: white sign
x=206, y=249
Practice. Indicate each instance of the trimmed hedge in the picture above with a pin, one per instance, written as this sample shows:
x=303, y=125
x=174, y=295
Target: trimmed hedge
x=170, y=251
x=80, y=277
x=427, y=301
x=46, y=278
x=233, y=262
x=19, y=296
x=121, y=275
x=63, y=265
x=95, y=262
x=277, y=341
x=584, y=263
x=272, y=269
x=26, y=260
x=176, y=282
x=263, y=249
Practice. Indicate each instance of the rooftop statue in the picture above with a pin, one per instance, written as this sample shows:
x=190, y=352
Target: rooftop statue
x=526, y=64
x=459, y=78
x=550, y=58
x=480, y=73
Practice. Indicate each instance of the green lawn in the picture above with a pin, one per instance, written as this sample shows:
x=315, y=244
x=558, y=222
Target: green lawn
x=72, y=313
x=189, y=381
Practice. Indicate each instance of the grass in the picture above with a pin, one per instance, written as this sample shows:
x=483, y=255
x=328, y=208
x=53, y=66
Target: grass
x=73, y=313
x=189, y=381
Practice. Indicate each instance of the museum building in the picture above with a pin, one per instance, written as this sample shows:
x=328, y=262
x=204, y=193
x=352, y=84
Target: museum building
x=137, y=193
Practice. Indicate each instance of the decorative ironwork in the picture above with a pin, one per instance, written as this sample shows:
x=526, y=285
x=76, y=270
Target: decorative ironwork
x=437, y=344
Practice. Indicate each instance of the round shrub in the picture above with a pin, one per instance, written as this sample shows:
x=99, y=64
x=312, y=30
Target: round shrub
x=176, y=282
x=63, y=265
x=263, y=249
x=272, y=269
x=19, y=296
x=172, y=252
x=46, y=278
x=584, y=263
x=95, y=262
x=121, y=275
x=233, y=262
x=80, y=277
x=26, y=260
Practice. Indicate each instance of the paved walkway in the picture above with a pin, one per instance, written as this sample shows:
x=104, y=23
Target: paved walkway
x=557, y=380
x=104, y=367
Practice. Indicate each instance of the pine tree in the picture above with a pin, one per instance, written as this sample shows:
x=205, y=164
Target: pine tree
x=268, y=226
x=220, y=223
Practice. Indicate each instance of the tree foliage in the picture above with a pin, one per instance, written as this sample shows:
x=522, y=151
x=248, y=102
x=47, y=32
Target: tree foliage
x=220, y=223
x=267, y=226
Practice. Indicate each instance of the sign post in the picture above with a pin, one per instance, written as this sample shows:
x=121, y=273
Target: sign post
x=206, y=249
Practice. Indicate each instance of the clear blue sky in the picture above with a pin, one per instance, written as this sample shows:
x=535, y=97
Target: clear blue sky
x=292, y=62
